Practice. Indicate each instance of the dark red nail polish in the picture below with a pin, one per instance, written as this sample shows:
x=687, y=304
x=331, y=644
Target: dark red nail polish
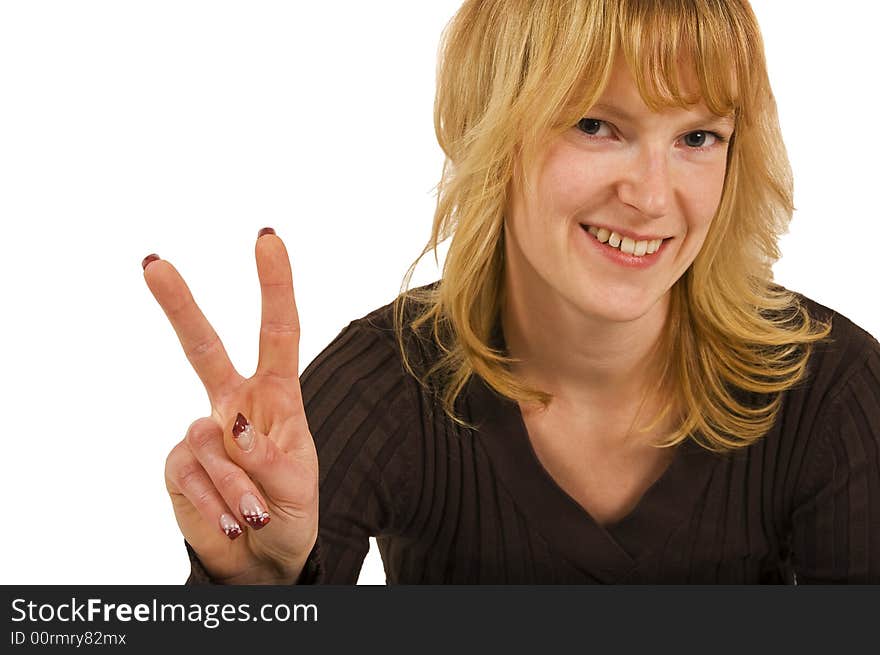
x=253, y=511
x=230, y=526
x=265, y=230
x=149, y=258
x=257, y=521
x=244, y=433
x=241, y=424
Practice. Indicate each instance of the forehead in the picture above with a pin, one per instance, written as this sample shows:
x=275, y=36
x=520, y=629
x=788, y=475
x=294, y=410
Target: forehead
x=622, y=98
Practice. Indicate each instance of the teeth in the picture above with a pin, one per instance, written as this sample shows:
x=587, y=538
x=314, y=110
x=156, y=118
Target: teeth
x=625, y=244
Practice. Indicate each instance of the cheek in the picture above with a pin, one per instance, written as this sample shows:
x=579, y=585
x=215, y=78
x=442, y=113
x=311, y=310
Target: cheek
x=707, y=194
x=568, y=187
x=701, y=210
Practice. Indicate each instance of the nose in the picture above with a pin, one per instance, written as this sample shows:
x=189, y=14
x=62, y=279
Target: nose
x=647, y=185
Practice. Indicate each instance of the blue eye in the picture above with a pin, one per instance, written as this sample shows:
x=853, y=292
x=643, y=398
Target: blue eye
x=590, y=126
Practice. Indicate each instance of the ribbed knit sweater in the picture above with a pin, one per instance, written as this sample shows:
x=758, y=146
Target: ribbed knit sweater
x=452, y=505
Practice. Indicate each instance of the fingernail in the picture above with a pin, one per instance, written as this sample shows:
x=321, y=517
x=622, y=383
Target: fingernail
x=149, y=258
x=253, y=511
x=265, y=230
x=243, y=432
x=230, y=525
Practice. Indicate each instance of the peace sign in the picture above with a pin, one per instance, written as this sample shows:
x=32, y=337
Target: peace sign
x=253, y=461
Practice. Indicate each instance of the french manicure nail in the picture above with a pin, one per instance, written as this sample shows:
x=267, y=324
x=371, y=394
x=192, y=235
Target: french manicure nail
x=243, y=432
x=265, y=230
x=253, y=511
x=149, y=258
x=230, y=525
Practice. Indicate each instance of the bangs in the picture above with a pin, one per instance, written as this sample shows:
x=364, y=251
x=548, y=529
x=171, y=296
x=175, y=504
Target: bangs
x=679, y=52
x=701, y=40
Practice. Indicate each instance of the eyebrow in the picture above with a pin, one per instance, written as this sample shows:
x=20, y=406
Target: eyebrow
x=704, y=118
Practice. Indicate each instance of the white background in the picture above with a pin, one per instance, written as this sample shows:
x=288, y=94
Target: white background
x=182, y=128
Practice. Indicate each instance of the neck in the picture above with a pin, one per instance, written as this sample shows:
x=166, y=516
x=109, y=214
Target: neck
x=583, y=360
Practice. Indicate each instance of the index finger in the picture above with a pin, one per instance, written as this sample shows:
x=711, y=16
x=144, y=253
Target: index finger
x=200, y=342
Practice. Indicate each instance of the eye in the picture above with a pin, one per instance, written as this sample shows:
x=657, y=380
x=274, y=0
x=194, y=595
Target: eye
x=589, y=125
x=694, y=140
x=701, y=138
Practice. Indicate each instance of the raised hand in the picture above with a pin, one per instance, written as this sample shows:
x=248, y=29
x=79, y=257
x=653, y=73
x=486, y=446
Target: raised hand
x=244, y=481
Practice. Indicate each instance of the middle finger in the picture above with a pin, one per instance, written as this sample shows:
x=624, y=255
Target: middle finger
x=279, y=328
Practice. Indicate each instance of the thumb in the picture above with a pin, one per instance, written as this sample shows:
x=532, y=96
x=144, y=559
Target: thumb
x=287, y=478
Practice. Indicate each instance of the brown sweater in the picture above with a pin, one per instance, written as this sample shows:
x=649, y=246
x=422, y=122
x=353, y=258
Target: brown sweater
x=449, y=505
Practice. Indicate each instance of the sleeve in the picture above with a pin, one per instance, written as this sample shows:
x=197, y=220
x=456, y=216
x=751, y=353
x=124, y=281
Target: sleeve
x=836, y=523
x=311, y=573
x=360, y=408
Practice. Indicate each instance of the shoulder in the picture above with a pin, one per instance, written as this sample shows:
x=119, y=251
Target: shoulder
x=419, y=346
x=831, y=419
x=381, y=319
x=845, y=377
x=363, y=364
x=842, y=359
x=835, y=420
x=365, y=415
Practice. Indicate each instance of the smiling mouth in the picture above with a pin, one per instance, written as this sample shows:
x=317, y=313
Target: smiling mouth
x=626, y=245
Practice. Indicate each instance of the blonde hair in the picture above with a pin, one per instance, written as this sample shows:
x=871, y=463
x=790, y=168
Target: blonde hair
x=513, y=75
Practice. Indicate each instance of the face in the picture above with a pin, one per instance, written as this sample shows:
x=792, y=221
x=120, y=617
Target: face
x=628, y=170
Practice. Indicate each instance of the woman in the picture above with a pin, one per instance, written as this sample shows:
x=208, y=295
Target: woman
x=605, y=385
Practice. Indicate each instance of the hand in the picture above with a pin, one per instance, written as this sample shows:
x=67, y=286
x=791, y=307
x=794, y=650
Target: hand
x=244, y=481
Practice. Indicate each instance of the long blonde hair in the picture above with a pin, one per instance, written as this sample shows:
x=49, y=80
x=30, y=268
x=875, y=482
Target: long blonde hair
x=513, y=75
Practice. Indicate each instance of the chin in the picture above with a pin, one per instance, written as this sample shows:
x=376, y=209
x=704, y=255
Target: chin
x=620, y=314
x=618, y=304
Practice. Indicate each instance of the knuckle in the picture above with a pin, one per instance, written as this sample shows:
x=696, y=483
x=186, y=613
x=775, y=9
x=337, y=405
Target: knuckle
x=175, y=457
x=202, y=348
x=280, y=327
x=269, y=372
x=202, y=432
x=181, y=307
x=229, y=480
x=204, y=498
x=284, y=284
x=188, y=475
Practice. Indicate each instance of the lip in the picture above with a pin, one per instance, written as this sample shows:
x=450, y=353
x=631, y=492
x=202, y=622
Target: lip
x=622, y=259
x=627, y=233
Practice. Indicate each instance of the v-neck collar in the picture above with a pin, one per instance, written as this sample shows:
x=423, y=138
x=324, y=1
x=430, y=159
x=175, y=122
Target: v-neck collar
x=609, y=553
